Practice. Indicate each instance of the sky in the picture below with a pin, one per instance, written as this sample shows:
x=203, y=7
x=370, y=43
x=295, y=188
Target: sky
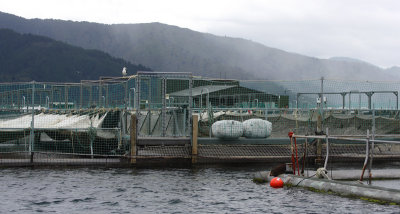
x=361, y=29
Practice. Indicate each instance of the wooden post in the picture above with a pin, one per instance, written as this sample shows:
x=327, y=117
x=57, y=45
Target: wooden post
x=133, y=138
x=194, y=138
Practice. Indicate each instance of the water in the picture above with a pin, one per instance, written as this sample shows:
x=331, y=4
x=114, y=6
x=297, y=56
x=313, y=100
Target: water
x=198, y=190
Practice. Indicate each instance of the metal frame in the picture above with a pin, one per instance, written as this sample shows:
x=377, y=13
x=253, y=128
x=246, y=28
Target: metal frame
x=368, y=93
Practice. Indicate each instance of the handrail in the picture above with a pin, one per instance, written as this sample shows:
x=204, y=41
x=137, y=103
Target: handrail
x=368, y=139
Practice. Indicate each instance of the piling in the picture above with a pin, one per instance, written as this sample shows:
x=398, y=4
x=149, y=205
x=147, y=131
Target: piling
x=133, y=133
x=195, y=119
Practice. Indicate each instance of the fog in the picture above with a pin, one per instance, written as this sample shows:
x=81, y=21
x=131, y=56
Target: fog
x=361, y=29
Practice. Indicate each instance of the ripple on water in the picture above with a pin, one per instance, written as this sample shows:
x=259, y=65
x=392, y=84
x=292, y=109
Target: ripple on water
x=87, y=199
x=202, y=190
x=41, y=203
x=110, y=203
x=175, y=201
x=120, y=190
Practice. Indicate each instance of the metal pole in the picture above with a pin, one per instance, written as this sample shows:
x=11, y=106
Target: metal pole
x=164, y=113
x=319, y=124
x=48, y=102
x=81, y=96
x=91, y=148
x=137, y=97
x=130, y=97
x=366, y=156
x=23, y=102
x=149, y=105
x=266, y=111
x=133, y=133
x=372, y=146
x=195, y=128
x=306, y=156
x=369, y=94
x=32, y=134
x=343, y=100
x=201, y=98
x=106, y=99
x=66, y=96
x=126, y=95
x=52, y=96
x=327, y=149
x=90, y=95
x=190, y=101
x=322, y=96
x=350, y=100
x=100, y=92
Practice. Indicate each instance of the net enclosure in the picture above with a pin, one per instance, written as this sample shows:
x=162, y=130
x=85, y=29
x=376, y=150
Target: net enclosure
x=91, y=122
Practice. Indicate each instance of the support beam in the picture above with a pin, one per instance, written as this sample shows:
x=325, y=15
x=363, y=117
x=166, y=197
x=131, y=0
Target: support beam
x=133, y=133
x=343, y=99
x=369, y=94
x=194, y=138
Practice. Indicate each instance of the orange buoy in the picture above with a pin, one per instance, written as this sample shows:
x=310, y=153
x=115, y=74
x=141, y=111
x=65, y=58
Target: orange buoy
x=276, y=182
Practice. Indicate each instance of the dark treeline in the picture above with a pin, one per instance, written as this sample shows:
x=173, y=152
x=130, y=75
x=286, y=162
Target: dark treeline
x=27, y=57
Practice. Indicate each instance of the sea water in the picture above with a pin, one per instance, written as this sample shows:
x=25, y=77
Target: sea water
x=162, y=190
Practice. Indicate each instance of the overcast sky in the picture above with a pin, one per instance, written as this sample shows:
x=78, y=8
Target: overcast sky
x=362, y=29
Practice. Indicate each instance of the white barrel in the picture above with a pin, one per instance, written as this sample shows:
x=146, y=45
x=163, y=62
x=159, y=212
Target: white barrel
x=228, y=129
x=257, y=128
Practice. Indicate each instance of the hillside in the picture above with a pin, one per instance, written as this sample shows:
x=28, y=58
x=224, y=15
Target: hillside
x=26, y=57
x=173, y=49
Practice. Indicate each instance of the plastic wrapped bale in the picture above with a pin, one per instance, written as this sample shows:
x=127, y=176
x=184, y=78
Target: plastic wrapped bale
x=257, y=128
x=227, y=129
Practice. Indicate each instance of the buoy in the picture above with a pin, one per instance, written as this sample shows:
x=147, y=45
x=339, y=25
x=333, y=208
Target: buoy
x=276, y=183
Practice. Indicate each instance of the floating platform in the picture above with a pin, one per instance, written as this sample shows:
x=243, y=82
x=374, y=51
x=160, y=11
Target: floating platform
x=345, y=188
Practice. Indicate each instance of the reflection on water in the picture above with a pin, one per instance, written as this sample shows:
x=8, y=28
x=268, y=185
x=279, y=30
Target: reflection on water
x=198, y=190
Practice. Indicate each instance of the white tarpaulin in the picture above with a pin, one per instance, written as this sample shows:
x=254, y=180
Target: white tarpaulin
x=53, y=121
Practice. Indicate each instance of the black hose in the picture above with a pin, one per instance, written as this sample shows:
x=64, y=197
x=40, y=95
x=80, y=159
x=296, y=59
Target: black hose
x=303, y=180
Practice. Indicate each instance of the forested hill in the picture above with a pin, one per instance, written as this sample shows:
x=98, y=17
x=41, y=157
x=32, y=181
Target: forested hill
x=169, y=48
x=27, y=57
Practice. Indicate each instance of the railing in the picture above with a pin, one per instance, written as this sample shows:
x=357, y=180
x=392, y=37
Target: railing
x=368, y=139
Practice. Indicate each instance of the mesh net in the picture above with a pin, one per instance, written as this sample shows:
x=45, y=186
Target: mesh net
x=91, y=119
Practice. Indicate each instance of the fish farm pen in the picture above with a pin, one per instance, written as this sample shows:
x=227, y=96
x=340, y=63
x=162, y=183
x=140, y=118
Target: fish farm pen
x=155, y=117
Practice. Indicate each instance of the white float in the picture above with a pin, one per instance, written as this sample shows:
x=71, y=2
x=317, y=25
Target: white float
x=227, y=129
x=257, y=128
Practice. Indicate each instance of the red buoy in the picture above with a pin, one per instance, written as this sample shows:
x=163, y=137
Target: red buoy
x=276, y=182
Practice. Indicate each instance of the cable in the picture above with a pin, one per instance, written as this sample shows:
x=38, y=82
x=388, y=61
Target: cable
x=303, y=180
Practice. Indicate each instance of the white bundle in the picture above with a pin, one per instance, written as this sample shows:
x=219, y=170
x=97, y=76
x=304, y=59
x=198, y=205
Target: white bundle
x=227, y=129
x=257, y=128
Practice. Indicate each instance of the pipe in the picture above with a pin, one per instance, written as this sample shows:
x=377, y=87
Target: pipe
x=344, y=188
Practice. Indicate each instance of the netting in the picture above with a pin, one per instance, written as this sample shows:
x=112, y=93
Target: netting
x=92, y=119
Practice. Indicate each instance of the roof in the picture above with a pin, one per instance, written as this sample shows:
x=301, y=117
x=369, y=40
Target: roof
x=201, y=90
